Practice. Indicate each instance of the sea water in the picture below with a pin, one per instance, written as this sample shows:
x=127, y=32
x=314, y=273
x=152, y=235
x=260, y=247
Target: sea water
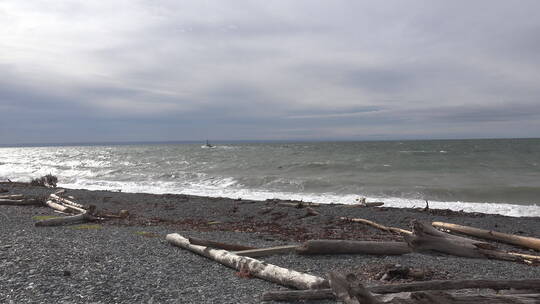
x=491, y=175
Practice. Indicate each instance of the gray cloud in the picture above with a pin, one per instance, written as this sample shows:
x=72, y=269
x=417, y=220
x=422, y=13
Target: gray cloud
x=172, y=70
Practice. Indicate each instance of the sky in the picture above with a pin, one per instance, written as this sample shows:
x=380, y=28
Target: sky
x=167, y=70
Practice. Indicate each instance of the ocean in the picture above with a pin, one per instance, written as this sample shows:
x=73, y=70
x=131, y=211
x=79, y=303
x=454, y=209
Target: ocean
x=499, y=176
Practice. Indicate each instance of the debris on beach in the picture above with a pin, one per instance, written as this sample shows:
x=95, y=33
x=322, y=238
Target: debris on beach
x=306, y=229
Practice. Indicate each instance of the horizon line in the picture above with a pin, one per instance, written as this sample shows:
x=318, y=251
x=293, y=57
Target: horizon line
x=150, y=142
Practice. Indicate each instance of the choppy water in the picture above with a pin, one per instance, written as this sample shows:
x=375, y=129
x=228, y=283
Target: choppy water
x=494, y=176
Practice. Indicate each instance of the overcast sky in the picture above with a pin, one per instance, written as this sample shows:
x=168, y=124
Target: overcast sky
x=87, y=71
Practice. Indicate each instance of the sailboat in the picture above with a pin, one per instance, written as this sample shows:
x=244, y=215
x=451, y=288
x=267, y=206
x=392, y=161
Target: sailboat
x=207, y=145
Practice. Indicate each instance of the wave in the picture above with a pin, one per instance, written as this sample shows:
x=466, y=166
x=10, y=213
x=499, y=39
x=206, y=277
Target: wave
x=422, y=151
x=224, y=187
x=326, y=173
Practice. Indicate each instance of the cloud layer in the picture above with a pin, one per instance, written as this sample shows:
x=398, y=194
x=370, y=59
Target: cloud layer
x=78, y=71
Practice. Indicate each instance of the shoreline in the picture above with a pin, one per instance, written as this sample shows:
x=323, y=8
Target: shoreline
x=128, y=260
x=505, y=209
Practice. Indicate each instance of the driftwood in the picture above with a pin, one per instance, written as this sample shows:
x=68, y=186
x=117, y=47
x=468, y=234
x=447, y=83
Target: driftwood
x=225, y=246
x=362, y=203
x=20, y=202
x=272, y=273
x=56, y=206
x=349, y=290
x=86, y=216
x=398, y=271
x=533, y=284
x=426, y=238
x=445, y=298
x=353, y=247
x=8, y=182
x=528, y=257
x=267, y=251
x=12, y=196
x=60, y=191
x=75, y=209
x=69, y=204
x=299, y=205
x=372, y=204
x=376, y=225
x=527, y=242
x=310, y=212
x=296, y=295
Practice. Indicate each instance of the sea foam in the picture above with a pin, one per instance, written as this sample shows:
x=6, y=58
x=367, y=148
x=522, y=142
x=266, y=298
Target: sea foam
x=224, y=188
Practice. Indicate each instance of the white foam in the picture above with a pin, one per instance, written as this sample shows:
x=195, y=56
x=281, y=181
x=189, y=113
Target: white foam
x=225, y=188
x=22, y=164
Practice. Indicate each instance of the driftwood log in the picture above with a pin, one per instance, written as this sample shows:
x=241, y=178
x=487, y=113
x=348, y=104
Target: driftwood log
x=12, y=196
x=527, y=242
x=8, y=182
x=425, y=238
x=364, y=205
x=57, y=206
x=445, y=298
x=299, y=204
x=225, y=246
x=267, y=251
x=353, y=247
x=528, y=257
x=376, y=225
x=20, y=202
x=68, y=204
x=349, y=290
x=321, y=294
x=272, y=273
x=87, y=216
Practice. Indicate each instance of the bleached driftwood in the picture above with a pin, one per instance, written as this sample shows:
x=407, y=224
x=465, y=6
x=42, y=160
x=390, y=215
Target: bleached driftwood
x=20, y=202
x=56, y=206
x=376, y=225
x=362, y=203
x=69, y=204
x=267, y=251
x=527, y=242
x=75, y=209
x=272, y=273
x=12, y=196
x=426, y=238
x=321, y=294
x=528, y=257
x=219, y=245
x=353, y=247
x=86, y=216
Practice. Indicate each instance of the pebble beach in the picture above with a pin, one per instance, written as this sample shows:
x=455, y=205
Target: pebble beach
x=129, y=261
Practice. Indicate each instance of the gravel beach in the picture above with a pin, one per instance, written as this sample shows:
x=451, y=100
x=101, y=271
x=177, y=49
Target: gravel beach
x=129, y=261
